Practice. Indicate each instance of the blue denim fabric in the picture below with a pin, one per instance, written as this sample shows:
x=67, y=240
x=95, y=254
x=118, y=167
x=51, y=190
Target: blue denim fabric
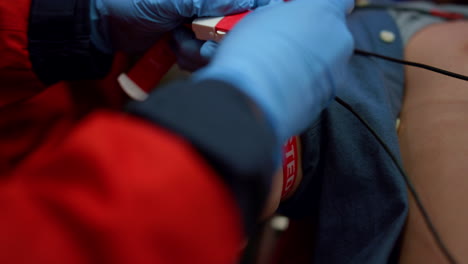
x=351, y=187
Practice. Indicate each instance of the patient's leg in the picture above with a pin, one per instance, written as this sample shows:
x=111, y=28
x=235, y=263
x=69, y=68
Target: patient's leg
x=434, y=142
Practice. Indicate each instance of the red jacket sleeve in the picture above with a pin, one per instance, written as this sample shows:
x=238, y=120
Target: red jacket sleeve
x=118, y=190
x=17, y=78
x=43, y=42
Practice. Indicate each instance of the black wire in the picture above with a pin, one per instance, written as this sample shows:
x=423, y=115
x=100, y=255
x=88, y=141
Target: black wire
x=438, y=239
x=409, y=184
x=414, y=64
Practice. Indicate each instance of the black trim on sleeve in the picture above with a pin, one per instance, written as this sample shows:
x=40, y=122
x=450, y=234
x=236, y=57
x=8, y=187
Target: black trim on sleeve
x=227, y=130
x=59, y=42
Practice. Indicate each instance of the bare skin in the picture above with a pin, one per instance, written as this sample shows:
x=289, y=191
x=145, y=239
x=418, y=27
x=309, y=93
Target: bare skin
x=434, y=143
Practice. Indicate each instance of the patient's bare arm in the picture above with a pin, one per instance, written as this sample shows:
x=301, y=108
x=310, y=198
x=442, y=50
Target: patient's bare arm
x=434, y=142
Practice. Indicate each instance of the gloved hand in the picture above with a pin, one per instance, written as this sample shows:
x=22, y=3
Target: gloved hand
x=134, y=25
x=288, y=58
x=192, y=54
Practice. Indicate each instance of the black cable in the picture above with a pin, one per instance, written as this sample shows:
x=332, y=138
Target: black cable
x=440, y=243
x=409, y=184
x=414, y=64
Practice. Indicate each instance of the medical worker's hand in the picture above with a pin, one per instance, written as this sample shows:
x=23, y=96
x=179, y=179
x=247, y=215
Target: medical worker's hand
x=192, y=54
x=288, y=58
x=134, y=25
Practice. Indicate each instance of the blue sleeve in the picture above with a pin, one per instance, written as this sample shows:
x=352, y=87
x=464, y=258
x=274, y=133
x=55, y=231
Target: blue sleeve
x=227, y=130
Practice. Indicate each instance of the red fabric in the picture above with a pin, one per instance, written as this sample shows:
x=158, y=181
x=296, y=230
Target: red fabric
x=110, y=189
x=15, y=67
x=51, y=113
x=31, y=113
x=117, y=190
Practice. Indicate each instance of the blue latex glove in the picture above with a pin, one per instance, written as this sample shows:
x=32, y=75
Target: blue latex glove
x=288, y=58
x=134, y=25
x=192, y=54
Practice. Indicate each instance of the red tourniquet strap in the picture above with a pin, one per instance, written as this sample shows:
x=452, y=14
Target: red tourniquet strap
x=151, y=68
x=290, y=163
x=447, y=15
x=228, y=22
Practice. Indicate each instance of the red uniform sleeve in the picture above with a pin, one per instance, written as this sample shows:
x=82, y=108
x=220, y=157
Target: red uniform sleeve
x=43, y=42
x=118, y=190
x=17, y=78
